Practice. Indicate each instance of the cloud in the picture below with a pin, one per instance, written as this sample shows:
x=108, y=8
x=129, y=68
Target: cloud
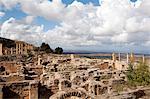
x=2, y=14
x=44, y=8
x=8, y=4
x=29, y=19
x=115, y=22
x=19, y=30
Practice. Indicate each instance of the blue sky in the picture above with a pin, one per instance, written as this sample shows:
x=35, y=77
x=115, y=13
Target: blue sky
x=18, y=14
x=80, y=24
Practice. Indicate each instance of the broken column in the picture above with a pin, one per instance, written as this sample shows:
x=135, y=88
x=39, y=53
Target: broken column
x=33, y=91
x=48, y=58
x=39, y=61
x=143, y=59
x=113, y=57
x=72, y=58
x=1, y=49
x=109, y=90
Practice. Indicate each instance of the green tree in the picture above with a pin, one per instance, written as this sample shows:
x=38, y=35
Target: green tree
x=58, y=50
x=45, y=47
x=139, y=75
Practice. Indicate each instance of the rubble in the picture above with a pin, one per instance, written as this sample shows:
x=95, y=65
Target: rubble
x=52, y=76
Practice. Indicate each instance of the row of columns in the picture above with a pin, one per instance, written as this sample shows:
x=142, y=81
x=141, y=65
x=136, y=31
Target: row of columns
x=97, y=89
x=129, y=58
x=22, y=48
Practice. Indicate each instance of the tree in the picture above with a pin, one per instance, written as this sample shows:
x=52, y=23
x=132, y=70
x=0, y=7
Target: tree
x=45, y=47
x=58, y=50
x=138, y=76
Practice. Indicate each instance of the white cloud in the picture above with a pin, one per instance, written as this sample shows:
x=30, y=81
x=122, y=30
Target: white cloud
x=45, y=8
x=115, y=21
x=29, y=19
x=19, y=30
x=8, y=4
x=2, y=14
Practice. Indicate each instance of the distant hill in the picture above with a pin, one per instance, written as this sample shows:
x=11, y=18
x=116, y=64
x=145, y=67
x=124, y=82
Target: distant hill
x=7, y=42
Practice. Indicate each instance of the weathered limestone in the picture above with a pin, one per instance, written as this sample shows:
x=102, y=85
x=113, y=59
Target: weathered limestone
x=58, y=73
x=1, y=49
x=143, y=59
x=22, y=48
x=17, y=48
x=25, y=49
x=48, y=58
x=33, y=92
x=11, y=51
x=39, y=61
x=119, y=56
x=114, y=57
x=127, y=58
x=5, y=51
x=72, y=56
x=1, y=92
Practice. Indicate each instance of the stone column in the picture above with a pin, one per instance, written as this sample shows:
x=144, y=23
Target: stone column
x=16, y=48
x=127, y=58
x=113, y=57
x=31, y=47
x=44, y=69
x=48, y=58
x=22, y=48
x=54, y=61
x=39, y=61
x=89, y=88
x=60, y=86
x=109, y=90
x=97, y=89
x=19, y=48
x=1, y=92
x=28, y=47
x=143, y=59
x=33, y=90
x=1, y=49
x=25, y=48
x=131, y=57
x=119, y=57
x=72, y=56
x=6, y=52
x=93, y=89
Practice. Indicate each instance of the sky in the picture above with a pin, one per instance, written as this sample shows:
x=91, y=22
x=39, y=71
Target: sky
x=79, y=25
